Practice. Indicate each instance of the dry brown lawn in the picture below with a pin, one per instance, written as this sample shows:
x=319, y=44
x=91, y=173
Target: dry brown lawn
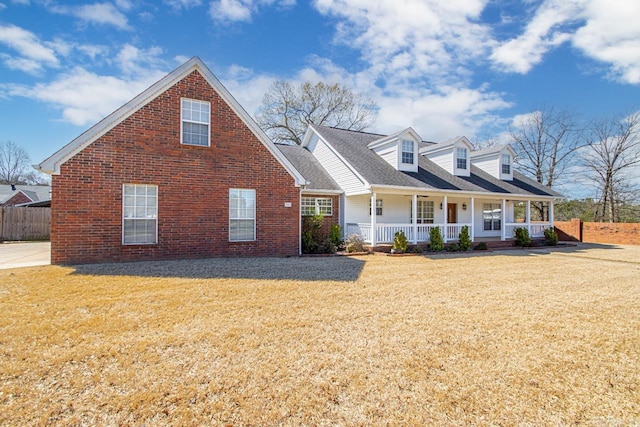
x=518, y=338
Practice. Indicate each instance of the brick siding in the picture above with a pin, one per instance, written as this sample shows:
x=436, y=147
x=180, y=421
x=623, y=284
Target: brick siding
x=328, y=221
x=599, y=232
x=193, y=187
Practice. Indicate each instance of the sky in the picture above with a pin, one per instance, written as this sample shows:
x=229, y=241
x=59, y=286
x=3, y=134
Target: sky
x=445, y=68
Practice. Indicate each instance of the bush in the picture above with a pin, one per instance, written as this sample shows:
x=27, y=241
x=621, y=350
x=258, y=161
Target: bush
x=436, y=243
x=335, y=235
x=400, y=242
x=464, y=240
x=354, y=243
x=327, y=247
x=453, y=247
x=416, y=250
x=309, y=246
x=482, y=246
x=314, y=241
x=522, y=237
x=550, y=237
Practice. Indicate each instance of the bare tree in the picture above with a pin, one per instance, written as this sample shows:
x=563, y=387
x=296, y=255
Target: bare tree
x=286, y=110
x=613, y=148
x=14, y=163
x=544, y=143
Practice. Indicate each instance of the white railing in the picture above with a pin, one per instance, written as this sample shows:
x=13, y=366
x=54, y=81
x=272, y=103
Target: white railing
x=536, y=229
x=454, y=230
x=386, y=232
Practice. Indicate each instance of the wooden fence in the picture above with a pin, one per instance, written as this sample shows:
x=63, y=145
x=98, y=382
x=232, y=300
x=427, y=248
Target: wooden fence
x=25, y=223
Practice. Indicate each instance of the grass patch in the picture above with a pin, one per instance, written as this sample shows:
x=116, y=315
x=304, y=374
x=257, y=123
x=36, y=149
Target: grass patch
x=506, y=339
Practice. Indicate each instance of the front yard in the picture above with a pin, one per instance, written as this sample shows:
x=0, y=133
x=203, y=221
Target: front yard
x=505, y=339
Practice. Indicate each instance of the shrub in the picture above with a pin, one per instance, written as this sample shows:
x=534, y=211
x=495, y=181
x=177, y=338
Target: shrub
x=354, y=243
x=464, y=240
x=313, y=240
x=400, y=242
x=453, y=247
x=327, y=247
x=550, y=237
x=416, y=250
x=522, y=237
x=335, y=235
x=309, y=246
x=482, y=246
x=436, y=243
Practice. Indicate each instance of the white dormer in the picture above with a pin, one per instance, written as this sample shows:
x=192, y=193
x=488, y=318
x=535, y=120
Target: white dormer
x=400, y=150
x=452, y=155
x=496, y=161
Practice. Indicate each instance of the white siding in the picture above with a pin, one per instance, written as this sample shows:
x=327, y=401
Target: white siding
x=389, y=152
x=342, y=175
x=443, y=159
x=490, y=165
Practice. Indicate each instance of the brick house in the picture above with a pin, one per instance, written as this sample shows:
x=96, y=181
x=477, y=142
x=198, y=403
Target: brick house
x=12, y=195
x=180, y=171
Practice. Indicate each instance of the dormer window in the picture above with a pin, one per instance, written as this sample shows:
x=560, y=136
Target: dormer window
x=506, y=164
x=461, y=158
x=407, y=152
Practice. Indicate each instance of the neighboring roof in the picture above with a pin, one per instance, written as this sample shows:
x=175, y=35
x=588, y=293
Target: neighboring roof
x=316, y=176
x=52, y=164
x=352, y=146
x=34, y=192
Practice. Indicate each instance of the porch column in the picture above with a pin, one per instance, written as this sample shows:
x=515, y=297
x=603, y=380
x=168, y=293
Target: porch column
x=373, y=219
x=503, y=216
x=414, y=218
x=445, y=211
x=551, y=213
x=472, y=228
x=529, y=216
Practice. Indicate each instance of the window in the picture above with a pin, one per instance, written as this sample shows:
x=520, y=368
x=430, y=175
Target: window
x=242, y=215
x=461, y=158
x=506, y=164
x=317, y=206
x=491, y=216
x=378, y=207
x=195, y=122
x=425, y=212
x=140, y=214
x=407, y=152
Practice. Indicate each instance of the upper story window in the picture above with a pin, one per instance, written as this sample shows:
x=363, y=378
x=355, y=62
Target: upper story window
x=195, y=121
x=461, y=158
x=407, y=152
x=506, y=164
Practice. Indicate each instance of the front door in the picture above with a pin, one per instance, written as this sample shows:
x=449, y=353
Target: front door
x=452, y=213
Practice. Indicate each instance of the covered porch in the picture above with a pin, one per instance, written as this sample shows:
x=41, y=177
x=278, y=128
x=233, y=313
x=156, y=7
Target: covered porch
x=488, y=219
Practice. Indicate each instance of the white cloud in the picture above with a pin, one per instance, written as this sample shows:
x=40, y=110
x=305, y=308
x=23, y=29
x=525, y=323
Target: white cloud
x=546, y=30
x=611, y=34
x=85, y=97
x=182, y=4
x=132, y=60
x=97, y=13
x=27, y=45
x=229, y=11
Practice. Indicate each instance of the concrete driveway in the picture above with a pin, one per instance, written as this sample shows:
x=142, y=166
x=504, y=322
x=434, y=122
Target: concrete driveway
x=24, y=254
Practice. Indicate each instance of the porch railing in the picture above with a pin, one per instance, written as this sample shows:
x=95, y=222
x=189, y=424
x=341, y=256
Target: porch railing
x=536, y=229
x=386, y=232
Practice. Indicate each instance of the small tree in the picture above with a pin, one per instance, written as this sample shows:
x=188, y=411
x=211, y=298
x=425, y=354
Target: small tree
x=522, y=237
x=464, y=240
x=400, y=242
x=436, y=243
x=550, y=237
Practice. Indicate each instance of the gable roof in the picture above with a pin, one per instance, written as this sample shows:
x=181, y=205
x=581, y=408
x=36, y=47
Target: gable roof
x=381, y=141
x=36, y=193
x=353, y=147
x=52, y=164
x=317, y=177
x=433, y=148
x=475, y=154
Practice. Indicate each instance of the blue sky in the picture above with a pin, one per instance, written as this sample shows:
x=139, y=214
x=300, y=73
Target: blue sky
x=460, y=67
